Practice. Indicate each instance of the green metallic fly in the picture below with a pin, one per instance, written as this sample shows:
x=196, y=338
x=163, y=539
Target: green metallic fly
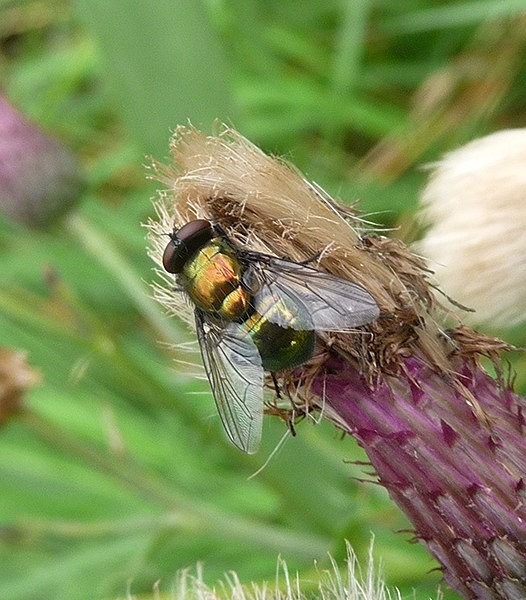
x=255, y=313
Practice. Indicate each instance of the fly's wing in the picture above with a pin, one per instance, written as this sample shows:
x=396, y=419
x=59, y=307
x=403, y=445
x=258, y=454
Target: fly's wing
x=233, y=366
x=313, y=299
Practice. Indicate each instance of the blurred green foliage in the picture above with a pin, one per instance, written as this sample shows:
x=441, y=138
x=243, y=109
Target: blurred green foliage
x=120, y=474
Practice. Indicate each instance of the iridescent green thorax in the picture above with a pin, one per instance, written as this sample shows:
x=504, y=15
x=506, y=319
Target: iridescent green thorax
x=213, y=280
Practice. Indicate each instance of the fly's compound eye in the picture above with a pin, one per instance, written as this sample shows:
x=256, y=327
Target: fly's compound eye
x=170, y=261
x=185, y=242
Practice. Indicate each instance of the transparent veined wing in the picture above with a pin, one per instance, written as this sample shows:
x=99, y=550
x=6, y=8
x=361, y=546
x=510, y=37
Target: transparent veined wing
x=233, y=366
x=317, y=300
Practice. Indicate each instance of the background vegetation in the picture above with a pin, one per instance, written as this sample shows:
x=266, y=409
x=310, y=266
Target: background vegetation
x=120, y=474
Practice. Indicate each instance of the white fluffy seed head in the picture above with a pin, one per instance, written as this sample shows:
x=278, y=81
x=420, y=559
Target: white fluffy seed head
x=475, y=208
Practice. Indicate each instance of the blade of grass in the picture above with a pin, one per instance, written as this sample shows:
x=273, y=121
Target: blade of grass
x=457, y=14
x=349, y=48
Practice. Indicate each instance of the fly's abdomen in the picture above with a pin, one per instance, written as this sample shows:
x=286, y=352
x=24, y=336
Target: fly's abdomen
x=212, y=279
x=280, y=347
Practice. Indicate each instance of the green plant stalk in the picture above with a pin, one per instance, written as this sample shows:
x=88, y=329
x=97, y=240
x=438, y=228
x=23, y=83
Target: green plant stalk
x=101, y=248
x=350, y=46
x=347, y=59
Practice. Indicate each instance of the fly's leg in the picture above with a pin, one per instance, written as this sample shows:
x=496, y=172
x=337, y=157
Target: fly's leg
x=311, y=259
x=290, y=414
x=276, y=385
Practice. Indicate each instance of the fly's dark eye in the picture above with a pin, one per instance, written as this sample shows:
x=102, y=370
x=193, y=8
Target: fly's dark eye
x=170, y=258
x=194, y=229
x=185, y=242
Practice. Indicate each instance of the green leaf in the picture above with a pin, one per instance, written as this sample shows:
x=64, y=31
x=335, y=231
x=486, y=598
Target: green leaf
x=165, y=64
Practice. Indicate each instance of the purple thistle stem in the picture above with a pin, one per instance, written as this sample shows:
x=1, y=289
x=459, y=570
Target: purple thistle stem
x=458, y=478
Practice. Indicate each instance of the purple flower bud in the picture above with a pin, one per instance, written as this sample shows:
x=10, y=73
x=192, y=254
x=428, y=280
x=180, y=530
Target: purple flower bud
x=40, y=180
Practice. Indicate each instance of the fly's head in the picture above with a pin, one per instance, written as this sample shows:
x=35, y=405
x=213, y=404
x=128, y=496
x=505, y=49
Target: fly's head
x=185, y=242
